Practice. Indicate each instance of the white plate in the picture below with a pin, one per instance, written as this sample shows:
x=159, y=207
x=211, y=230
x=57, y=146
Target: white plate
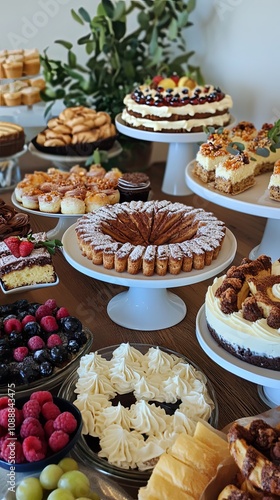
x=37, y=212
x=28, y=288
x=74, y=256
x=254, y=201
x=115, y=150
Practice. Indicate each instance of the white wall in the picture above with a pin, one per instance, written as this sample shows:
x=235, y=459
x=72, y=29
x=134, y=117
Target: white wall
x=236, y=44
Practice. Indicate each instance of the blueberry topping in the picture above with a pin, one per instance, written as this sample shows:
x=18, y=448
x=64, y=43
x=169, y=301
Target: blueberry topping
x=46, y=369
x=73, y=346
x=59, y=354
x=32, y=328
x=70, y=324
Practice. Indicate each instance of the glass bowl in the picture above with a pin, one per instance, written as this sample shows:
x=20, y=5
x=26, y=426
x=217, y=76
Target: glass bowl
x=52, y=458
x=54, y=380
x=87, y=447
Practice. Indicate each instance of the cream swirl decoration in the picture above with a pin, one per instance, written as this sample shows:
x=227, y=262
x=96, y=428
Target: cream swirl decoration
x=135, y=436
x=276, y=290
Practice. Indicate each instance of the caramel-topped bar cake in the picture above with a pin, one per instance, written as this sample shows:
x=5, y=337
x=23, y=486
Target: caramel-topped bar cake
x=274, y=182
x=176, y=109
x=243, y=311
x=235, y=173
x=150, y=237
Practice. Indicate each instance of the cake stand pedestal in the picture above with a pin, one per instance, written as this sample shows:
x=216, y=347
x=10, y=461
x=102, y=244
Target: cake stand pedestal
x=182, y=149
x=268, y=380
x=254, y=201
x=147, y=304
x=64, y=220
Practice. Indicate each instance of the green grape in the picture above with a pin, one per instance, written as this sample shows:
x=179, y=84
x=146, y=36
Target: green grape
x=50, y=475
x=29, y=489
x=68, y=463
x=61, y=494
x=75, y=481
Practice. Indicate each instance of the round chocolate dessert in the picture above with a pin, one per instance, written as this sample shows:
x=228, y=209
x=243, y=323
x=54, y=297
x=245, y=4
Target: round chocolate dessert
x=134, y=186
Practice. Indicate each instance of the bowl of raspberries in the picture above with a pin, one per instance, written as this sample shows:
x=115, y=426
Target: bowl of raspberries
x=40, y=343
x=36, y=430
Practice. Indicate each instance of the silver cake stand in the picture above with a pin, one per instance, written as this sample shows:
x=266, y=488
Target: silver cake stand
x=147, y=304
x=268, y=380
x=181, y=151
x=253, y=201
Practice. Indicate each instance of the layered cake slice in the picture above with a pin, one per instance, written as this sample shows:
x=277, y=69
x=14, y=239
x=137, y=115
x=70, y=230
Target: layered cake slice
x=274, y=182
x=262, y=150
x=235, y=174
x=209, y=155
x=24, y=262
x=243, y=133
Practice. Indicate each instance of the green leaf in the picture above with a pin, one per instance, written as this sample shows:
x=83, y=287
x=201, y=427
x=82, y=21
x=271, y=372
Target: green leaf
x=263, y=152
x=90, y=47
x=153, y=42
x=237, y=145
x=191, y=5
x=65, y=44
x=108, y=7
x=119, y=28
x=72, y=59
x=84, y=39
x=183, y=19
x=159, y=6
x=173, y=30
x=119, y=11
x=76, y=17
x=143, y=20
x=84, y=14
x=232, y=151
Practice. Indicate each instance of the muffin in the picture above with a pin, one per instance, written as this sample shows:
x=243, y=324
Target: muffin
x=134, y=186
x=30, y=95
x=13, y=69
x=12, y=98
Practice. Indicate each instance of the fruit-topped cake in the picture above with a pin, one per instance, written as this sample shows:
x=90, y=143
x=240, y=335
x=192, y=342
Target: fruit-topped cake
x=176, y=105
x=27, y=261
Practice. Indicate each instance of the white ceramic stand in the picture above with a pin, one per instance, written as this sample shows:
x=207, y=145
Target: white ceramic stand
x=64, y=220
x=147, y=304
x=268, y=380
x=253, y=201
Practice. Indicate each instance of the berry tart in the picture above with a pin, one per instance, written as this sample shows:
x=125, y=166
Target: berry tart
x=38, y=343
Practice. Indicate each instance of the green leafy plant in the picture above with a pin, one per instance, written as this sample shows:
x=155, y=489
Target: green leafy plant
x=117, y=59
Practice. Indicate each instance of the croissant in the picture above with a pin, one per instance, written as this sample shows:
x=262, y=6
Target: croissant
x=90, y=136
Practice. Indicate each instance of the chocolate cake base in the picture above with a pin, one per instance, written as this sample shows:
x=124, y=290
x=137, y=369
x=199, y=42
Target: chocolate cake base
x=245, y=354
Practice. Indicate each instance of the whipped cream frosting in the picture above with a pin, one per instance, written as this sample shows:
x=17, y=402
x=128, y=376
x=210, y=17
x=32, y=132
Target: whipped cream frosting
x=135, y=436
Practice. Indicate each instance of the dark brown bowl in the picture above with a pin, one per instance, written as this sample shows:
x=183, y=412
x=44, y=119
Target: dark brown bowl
x=80, y=149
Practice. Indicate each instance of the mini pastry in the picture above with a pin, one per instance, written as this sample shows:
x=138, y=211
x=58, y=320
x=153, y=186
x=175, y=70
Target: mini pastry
x=30, y=95
x=13, y=69
x=49, y=202
x=29, y=198
x=12, y=98
x=31, y=66
x=72, y=205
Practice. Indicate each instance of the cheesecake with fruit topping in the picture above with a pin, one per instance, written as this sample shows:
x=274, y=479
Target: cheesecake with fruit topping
x=176, y=106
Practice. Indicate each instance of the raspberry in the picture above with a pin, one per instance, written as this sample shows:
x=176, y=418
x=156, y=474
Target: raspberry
x=42, y=396
x=62, y=313
x=43, y=311
x=31, y=427
x=12, y=325
x=10, y=416
x=33, y=449
x=4, y=401
x=27, y=319
x=20, y=353
x=35, y=343
x=50, y=411
x=65, y=422
x=49, y=324
x=51, y=303
x=12, y=450
x=3, y=431
x=53, y=340
x=58, y=440
x=31, y=408
x=49, y=428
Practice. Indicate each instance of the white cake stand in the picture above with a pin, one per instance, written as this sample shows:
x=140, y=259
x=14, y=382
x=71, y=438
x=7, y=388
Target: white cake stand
x=268, y=380
x=66, y=162
x=254, y=201
x=181, y=151
x=64, y=220
x=147, y=304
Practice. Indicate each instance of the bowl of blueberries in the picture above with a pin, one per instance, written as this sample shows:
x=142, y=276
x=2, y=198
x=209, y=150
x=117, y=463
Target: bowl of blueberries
x=40, y=344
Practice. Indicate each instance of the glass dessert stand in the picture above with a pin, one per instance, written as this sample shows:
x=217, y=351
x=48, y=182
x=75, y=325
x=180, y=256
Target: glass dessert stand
x=254, y=201
x=181, y=151
x=66, y=162
x=64, y=220
x=268, y=380
x=10, y=170
x=147, y=304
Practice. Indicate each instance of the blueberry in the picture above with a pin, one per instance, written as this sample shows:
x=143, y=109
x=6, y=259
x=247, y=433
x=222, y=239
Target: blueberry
x=4, y=373
x=20, y=304
x=42, y=355
x=5, y=351
x=80, y=337
x=6, y=309
x=46, y=369
x=32, y=328
x=15, y=339
x=32, y=308
x=28, y=374
x=59, y=354
x=73, y=346
x=70, y=324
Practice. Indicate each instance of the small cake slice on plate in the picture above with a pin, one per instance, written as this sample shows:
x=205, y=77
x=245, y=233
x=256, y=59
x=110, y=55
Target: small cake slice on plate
x=274, y=182
x=209, y=155
x=25, y=261
x=235, y=174
x=262, y=150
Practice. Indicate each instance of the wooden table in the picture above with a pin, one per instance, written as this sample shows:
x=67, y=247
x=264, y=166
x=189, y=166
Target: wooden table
x=87, y=298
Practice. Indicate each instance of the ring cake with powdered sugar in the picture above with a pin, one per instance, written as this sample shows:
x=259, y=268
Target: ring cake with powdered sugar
x=150, y=237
